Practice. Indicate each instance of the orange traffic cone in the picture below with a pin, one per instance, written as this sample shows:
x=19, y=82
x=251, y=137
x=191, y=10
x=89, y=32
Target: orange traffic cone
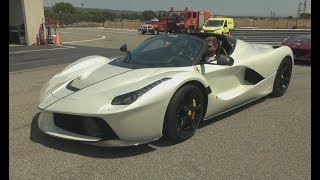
x=57, y=41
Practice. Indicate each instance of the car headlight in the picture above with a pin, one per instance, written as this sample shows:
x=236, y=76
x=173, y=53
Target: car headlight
x=128, y=98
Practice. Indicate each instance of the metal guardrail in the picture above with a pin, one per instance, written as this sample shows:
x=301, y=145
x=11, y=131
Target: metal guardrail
x=267, y=36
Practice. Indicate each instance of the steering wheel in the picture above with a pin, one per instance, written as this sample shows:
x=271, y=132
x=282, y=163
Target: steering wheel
x=188, y=50
x=178, y=60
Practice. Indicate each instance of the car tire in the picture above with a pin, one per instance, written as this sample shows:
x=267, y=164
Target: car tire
x=142, y=32
x=184, y=113
x=282, y=79
x=155, y=32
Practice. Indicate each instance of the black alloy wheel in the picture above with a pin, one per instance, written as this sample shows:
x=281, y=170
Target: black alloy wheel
x=184, y=113
x=282, y=79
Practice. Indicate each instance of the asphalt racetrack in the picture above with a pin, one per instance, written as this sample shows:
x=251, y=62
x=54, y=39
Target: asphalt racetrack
x=266, y=139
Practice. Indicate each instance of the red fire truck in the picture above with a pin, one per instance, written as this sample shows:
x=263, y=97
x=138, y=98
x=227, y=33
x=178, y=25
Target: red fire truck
x=182, y=21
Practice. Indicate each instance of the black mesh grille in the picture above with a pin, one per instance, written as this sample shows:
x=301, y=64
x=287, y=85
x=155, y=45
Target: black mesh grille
x=88, y=126
x=300, y=52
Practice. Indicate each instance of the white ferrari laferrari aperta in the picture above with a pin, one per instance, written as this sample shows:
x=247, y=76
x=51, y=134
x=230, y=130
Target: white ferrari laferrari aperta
x=162, y=88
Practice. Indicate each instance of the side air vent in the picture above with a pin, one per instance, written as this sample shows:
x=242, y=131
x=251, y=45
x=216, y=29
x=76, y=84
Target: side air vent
x=252, y=76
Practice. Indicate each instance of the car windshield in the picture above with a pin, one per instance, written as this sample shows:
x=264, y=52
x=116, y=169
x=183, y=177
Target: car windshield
x=214, y=23
x=166, y=51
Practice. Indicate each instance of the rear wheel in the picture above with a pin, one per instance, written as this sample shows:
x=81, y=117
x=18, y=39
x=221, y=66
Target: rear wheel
x=184, y=113
x=282, y=79
x=155, y=32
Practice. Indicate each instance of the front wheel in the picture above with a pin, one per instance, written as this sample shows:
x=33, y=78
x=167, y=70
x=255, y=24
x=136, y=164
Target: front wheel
x=282, y=79
x=190, y=30
x=184, y=113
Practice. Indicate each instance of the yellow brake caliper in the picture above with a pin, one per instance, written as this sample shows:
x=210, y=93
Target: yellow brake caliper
x=194, y=104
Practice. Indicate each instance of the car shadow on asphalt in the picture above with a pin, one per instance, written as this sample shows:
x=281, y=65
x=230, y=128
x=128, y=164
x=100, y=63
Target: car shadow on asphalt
x=231, y=112
x=37, y=136
x=162, y=142
x=117, y=152
x=302, y=63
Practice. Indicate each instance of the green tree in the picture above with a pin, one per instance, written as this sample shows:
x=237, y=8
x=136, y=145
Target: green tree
x=129, y=16
x=290, y=17
x=96, y=16
x=108, y=15
x=134, y=16
x=148, y=15
x=305, y=16
x=63, y=7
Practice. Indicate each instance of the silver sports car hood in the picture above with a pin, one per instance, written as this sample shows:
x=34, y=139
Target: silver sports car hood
x=70, y=72
x=76, y=76
x=98, y=74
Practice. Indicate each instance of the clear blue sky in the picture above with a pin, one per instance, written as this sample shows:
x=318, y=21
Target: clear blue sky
x=221, y=7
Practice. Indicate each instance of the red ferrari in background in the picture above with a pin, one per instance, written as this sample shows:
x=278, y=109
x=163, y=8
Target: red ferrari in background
x=300, y=45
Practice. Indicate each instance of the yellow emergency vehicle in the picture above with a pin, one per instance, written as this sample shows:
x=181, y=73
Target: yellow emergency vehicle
x=218, y=25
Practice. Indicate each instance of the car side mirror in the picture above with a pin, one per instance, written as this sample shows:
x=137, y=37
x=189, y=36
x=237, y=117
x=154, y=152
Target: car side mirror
x=123, y=48
x=224, y=60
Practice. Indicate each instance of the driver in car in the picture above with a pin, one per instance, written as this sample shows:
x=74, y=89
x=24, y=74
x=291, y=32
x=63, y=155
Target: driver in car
x=176, y=46
x=213, y=44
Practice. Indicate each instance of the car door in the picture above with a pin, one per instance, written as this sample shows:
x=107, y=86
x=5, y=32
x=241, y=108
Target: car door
x=228, y=85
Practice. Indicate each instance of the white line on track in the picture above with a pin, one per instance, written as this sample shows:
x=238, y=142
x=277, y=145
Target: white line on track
x=30, y=62
x=80, y=33
x=14, y=45
x=62, y=47
x=46, y=67
x=40, y=68
x=101, y=28
x=103, y=37
x=118, y=31
x=135, y=30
